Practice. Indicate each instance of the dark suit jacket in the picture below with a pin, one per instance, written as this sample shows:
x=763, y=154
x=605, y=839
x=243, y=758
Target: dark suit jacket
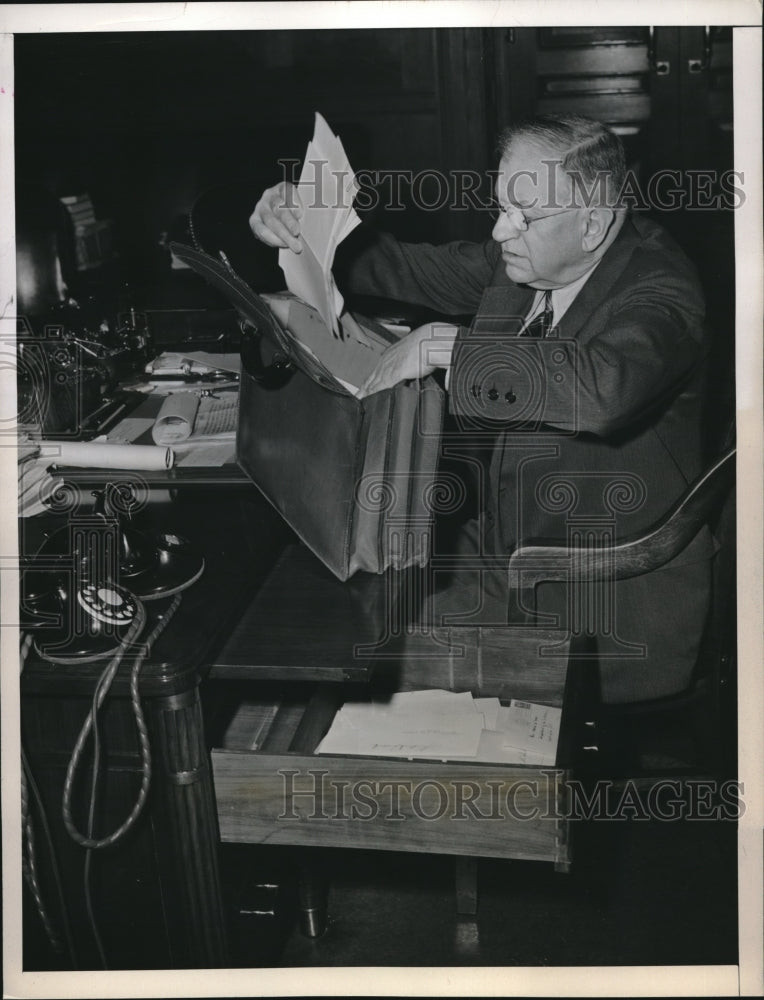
x=596, y=428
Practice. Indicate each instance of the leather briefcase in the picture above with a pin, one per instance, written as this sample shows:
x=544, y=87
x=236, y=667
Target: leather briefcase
x=354, y=478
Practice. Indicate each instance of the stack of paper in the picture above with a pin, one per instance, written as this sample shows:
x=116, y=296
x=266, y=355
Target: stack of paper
x=446, y=726
x=196, y=363
x=326, y=191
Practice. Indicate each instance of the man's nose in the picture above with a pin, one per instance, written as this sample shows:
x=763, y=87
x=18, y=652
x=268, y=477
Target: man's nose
x=504, y=228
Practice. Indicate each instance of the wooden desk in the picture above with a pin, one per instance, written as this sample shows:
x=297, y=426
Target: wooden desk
x=266, y=612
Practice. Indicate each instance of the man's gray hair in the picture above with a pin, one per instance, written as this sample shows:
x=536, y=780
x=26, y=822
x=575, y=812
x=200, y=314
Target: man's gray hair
x=590, y=152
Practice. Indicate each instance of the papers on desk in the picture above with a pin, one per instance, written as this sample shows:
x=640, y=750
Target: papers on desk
x=326, y=191
x=446, y=726
x=200, y=430
x=187, y=415
x=195, y=363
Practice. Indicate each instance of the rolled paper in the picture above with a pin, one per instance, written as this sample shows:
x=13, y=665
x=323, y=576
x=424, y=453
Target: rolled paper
x=175, y=420
x=107, y=455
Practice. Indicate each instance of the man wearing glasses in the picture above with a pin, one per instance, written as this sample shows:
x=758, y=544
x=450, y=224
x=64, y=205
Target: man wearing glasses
x=580, y=379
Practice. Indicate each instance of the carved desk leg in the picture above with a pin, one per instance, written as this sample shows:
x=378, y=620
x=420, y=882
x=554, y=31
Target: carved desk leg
x=187, y=835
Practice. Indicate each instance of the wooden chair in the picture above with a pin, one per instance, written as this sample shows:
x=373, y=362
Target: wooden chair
x=710, y=696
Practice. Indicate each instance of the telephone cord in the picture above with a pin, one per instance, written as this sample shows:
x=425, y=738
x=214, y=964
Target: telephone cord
x=102, y=689
x=29, y=867
x=30, y=862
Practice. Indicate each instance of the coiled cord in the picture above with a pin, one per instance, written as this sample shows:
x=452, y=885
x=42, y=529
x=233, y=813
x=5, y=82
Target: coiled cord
x=29, y=862
x=90, y=724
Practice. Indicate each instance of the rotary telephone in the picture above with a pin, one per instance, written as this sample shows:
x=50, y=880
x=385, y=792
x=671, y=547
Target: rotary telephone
x=77, y=608
x=85, y=589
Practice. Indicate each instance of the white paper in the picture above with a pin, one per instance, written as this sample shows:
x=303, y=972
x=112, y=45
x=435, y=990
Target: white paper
x=195, y=363
x=187, y=417
x=532, y=728
x=175, y=420
x=446, y=726
x=326, y=190
x=106, y=455
x=375, y=730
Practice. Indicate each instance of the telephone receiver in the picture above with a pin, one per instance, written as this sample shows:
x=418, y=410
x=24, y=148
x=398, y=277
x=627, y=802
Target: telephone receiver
x=86, y=585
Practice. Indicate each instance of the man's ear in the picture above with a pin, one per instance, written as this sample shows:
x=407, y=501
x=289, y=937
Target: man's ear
x=598, y=223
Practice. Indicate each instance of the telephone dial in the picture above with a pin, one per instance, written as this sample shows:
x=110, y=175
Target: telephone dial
x=111, y=605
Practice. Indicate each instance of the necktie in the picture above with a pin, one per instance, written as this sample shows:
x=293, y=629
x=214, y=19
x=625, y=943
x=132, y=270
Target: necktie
x=541, y=324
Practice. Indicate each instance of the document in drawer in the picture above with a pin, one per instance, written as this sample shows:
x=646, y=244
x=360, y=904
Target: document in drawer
x=445, y=726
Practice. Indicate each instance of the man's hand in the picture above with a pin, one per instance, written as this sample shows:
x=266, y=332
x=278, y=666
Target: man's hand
x=416, y=355
x=276, y=218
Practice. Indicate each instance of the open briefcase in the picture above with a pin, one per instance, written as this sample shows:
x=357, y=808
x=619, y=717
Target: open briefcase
x=354, y=478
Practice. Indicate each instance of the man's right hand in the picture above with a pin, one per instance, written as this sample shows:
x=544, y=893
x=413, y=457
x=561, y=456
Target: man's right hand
x=276, y=218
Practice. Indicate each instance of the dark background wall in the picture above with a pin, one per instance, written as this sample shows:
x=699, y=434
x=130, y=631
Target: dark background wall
x=146, y=123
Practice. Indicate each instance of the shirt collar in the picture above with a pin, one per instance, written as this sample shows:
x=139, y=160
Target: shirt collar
x=561, y=297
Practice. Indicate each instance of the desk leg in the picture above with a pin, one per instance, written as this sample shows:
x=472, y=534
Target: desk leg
x=186, y=832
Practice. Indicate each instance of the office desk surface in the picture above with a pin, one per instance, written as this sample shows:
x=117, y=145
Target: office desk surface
x=240, y=537
x=305, y=625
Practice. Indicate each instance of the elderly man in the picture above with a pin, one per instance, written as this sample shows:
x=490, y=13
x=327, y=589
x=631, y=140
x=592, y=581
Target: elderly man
x=580, y=376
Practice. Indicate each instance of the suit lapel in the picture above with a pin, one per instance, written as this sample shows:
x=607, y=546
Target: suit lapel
x=597, y=287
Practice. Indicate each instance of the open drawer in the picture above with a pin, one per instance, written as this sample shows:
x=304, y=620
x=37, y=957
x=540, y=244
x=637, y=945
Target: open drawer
x=283, y=793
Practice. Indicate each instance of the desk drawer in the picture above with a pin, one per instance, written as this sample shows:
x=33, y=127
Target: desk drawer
x=282, y=793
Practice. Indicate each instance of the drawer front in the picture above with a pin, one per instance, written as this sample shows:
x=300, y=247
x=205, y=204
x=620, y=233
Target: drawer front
x=481, y=810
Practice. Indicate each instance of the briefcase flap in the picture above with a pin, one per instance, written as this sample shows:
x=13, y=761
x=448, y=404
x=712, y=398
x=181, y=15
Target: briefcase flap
x=255, y=311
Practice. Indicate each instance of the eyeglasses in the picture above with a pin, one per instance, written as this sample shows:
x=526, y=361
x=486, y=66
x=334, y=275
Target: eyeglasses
x=519, y=219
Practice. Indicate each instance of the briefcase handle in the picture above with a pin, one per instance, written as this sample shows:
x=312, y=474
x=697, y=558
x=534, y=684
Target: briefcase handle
x=270, y=376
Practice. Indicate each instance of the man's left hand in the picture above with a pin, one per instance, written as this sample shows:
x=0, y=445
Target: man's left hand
x=416, y=355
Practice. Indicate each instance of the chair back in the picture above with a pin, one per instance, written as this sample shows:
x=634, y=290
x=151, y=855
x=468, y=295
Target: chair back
x=533, y=564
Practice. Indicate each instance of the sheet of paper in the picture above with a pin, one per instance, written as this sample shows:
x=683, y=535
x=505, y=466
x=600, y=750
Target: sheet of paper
x=533, y=728
x=326, y=190
x=175, y=420
x=376, y=733
x=445, y=725
x=186, y=417
x=102, y=454
x=436, y=723
x=217, y=415
x=490, y=708
x=205, y=361
x=306, y=278
x=491, y=750
x=194, y=363
x=349, y=359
